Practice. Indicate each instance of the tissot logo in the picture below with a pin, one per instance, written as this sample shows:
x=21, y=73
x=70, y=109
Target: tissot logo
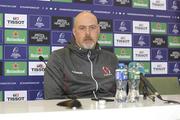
x=105, y=25
x=84, y=1
x=174, y=67
x=39, y=22
x=61, y=23
x=123, y=40
x=159, y=54
x=15, y=52
x=158, y=4
x=159, y=67
x=158, y=41
x=141, y=54
x=39, y=37
x=140, y=27
x=15, y=95
x=1, y=68
x=140, y=40
x=174, y=54
x=125, y=3
x=15, y=21
x=36, y=68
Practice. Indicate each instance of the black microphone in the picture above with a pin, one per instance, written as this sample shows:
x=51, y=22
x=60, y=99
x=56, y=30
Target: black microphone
x=73, y=103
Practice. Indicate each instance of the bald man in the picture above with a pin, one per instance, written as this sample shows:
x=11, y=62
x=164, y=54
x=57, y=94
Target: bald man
x=82, y=68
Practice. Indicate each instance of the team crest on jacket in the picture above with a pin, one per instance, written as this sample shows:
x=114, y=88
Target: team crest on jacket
x=106, y=71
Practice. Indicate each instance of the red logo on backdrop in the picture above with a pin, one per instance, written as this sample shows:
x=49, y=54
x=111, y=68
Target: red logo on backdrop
x=106, y=71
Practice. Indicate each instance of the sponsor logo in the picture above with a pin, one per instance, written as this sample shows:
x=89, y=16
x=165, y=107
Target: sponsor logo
x=123, y=53
x=39, y=37
x=68, y=1
x=1, y=52
x=1, y=20
x=56, y=48
x=15, y=95
x=105, y=39
x=124, y=3
x=61, y=23
x=39, y=22
x=15, y=68
x=61, y=38
x=140, y=3
x=141, y=40
x=174, y=67
x=15, y=52
x=36, y=51
x=140, y=27
x=175, y=4
x=158, y=4
x=158, y=67
x=15, y=21
x=124, y=40
x=35, y=95
x=15, y=36
x=174, y=54
x=159, y=54
x=158, y=41
x=1, y=96
x=174, y=41
x=77, y=72
x=141, y=54
x=106, y=71
x=174, y=28
x=105, y=25
x=36, y=68
x=103, y=2
x=158, y=28
x=1, y=68
x=83, y=1
x=122, y=26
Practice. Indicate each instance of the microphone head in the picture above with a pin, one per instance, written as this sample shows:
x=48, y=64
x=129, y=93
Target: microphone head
x=41, y=58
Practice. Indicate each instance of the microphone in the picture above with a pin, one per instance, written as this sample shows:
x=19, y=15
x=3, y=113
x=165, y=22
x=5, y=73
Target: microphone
x=73, y=103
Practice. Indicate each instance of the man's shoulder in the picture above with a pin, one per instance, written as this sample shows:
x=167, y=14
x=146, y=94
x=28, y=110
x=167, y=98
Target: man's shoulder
x=106, y=52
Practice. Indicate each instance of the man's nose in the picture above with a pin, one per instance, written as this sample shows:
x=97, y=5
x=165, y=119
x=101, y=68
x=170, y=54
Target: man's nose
x=87, y=31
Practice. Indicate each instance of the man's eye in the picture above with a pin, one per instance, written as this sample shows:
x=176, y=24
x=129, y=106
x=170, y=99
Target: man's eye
x=81, y=28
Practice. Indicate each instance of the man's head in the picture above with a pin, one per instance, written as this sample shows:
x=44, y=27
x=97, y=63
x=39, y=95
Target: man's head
x=86, y=30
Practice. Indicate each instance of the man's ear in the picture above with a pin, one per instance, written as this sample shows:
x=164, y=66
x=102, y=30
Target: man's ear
x=73, y=31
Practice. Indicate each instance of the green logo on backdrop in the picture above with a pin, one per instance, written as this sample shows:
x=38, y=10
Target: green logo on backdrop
x=15, y=36
x=69, y=1
x=36, y=51
x=123, y=53
x=1, y=20
x=174, y=41
x=158, y=28
x=1, y=96
x=141, y=3
x=15, y=68
x=105, y=39
x=146, y=66
x=1, y=53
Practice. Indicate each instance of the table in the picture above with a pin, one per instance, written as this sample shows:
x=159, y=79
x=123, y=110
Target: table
x=47, y=109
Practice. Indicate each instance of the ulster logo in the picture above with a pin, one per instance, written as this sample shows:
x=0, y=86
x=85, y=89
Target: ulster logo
x=106, y=71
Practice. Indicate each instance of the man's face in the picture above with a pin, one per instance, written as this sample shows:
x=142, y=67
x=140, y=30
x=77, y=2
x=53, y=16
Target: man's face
x=86, y=31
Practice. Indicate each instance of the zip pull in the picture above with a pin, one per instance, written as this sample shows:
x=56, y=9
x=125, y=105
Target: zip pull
x=89, y=54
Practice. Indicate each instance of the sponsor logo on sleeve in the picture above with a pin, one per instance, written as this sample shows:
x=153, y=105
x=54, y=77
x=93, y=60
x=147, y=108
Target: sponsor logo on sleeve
x=122, y=26
x=15, y=68
x=61, y=23
x=141, y=54
x=159, y=54
x=174, y=67
x=56, y=48
x=15, y=95
x=159, y=41
x=123, y=40
x=15, y=36
x=39, y=22
x=15, y=52
x=159, y=68
x=103, y=2
x=36, y=68
x=36, y=51
x=105, y=39
x=39, y=37
x=174, y=41
x=141, y=40
x=158, y=4
x=124, y=3
x=105, y=25
x=140, y=3
x=141, y=27
x=61, y=38
x=158, y=28
x=15, y=21
x=123, y=53
x=174, y=54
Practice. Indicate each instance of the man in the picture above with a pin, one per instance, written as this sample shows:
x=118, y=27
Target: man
x=81, y=69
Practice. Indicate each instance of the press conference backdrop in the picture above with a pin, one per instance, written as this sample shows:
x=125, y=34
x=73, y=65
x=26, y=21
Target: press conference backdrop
x=147, y=31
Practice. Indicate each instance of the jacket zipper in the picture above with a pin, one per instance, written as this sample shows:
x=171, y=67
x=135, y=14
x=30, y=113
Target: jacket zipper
x=92, y=76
